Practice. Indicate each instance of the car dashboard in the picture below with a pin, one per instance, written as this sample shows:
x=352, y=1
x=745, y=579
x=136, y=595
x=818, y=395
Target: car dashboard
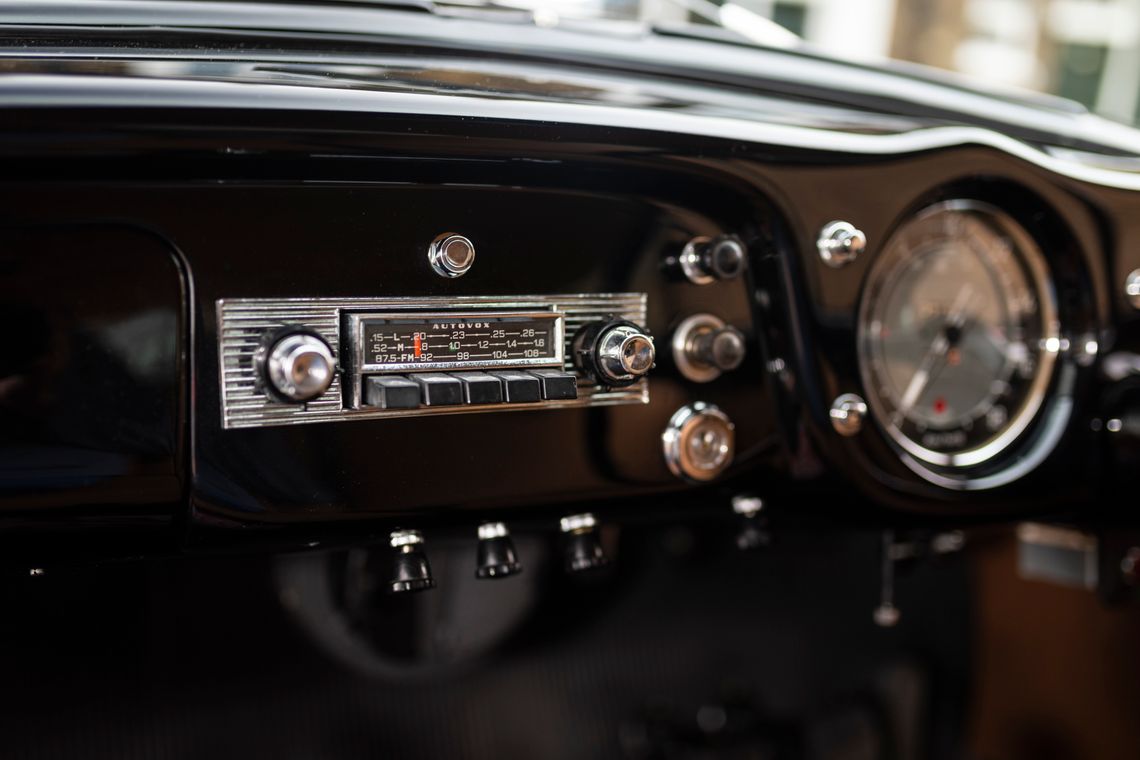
x=283, y=278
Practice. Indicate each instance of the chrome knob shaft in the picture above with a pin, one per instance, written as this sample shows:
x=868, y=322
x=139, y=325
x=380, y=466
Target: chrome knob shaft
x=704, y=347
x=706, y=260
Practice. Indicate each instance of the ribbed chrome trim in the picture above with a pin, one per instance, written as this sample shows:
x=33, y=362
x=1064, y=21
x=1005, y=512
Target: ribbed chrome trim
x=242, y=322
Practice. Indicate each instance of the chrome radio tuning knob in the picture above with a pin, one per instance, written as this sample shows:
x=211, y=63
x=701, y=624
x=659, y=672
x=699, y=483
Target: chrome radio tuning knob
x=296, y=366
x=615, y=353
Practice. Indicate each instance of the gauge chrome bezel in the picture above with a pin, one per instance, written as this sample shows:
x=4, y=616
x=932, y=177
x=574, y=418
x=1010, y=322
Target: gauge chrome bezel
x=1029, y=254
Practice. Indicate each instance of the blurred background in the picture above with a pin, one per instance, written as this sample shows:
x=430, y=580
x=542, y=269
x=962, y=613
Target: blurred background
x=1086, y=50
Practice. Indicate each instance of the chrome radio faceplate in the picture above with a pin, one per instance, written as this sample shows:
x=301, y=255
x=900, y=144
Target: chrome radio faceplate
x=381, y=345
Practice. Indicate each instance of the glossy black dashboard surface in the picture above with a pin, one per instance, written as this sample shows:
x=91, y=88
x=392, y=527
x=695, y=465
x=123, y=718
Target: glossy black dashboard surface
x=290, y=165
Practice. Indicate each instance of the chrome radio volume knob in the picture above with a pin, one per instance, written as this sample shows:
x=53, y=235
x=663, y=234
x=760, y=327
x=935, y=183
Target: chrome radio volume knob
x=615, y=353
x=298, y=367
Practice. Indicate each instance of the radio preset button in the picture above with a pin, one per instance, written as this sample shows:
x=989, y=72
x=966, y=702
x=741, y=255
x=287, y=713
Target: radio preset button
x=439, y=389
x=556, y=384
x=480, y=388
x=519, y=387
x=391, y=392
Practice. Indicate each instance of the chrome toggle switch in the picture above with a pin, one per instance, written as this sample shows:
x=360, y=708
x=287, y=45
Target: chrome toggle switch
x=298, y=367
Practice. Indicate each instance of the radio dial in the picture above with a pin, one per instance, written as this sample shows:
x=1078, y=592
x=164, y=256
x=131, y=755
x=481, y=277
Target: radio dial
x=615, y=353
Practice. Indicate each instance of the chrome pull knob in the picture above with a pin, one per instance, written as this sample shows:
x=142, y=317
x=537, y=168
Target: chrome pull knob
x=704, y=347
x=298, y=367
x=615, y=353
x=705, y=260
x=723, y=348
x=840, y=243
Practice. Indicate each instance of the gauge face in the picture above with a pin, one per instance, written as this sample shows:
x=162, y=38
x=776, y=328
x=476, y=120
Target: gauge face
x=958, y=334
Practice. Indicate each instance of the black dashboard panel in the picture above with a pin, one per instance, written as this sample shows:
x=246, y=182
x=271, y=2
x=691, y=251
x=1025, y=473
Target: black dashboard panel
x=93, y=400
x=592, y=183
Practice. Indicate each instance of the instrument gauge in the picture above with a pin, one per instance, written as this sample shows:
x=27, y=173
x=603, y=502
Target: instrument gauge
x=958, y=334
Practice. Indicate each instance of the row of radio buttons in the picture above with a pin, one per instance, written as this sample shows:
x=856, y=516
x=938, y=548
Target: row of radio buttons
x=456, y=388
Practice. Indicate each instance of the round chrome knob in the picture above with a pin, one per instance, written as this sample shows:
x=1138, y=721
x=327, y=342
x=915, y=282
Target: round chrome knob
x=699, y=442
x=299, y=367
x=707, y=259
x=847, y=414
x=704, y=347
x=616, y=353
x=840, y=243
x=1132, y=288
x=451, y=255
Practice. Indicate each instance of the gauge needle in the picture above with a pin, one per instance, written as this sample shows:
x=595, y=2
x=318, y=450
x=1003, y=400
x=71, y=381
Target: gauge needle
x=937, y=349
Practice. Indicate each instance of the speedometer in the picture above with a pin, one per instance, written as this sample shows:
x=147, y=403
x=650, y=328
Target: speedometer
x=958, y=334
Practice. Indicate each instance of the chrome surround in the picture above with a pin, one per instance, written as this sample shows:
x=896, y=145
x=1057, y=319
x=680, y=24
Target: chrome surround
x=680, y=426
x=243, y=322
x=402, y=538
x=489, y=530
x=356, y=322
x=578, y=523
x=917, y=457
x=690, y=261
x=441, y=263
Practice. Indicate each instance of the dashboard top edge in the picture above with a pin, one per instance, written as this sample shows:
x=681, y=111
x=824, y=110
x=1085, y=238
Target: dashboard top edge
x=313, y=32
x=32, y=91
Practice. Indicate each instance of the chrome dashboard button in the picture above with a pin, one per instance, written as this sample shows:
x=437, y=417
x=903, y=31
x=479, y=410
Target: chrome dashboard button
x=699, y=442
x=706, y=260
x=451, y=255
x=847, y=414
x=299, y=367
x=704, y=347
x=1132, y=288
x=840, y=243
